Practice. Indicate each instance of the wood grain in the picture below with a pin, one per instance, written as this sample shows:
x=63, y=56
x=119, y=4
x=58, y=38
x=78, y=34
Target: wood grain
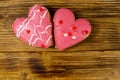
x=96, y=58
x=84, y=65
x=104, y=17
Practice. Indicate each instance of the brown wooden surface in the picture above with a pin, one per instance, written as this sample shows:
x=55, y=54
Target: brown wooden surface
x=96, y=58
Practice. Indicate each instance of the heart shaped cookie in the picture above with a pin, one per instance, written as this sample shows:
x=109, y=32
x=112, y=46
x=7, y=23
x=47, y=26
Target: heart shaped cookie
x=36, y=29
x=67, y=30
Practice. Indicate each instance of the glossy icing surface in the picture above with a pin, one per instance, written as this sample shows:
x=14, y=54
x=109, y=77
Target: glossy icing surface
x=67, y=31
x=36, y=29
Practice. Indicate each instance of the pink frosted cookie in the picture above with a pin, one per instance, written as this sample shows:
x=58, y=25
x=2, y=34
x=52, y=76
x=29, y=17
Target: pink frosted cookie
x=67, y=31
x=36, y=29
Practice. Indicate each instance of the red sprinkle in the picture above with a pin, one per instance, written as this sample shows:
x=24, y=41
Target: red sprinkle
x=42, y=46
x=74, y=28
x=61, y=22
x=28, y=31
x=69, y=34
x=85, y=32
x=41, y=9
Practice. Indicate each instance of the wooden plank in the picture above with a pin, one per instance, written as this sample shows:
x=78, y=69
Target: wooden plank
x=84, y=65
x=83, y=61
x=103, y=15
x=10, y=2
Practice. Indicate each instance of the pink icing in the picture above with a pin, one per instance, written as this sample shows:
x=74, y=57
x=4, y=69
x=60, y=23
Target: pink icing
x=67, y=31
x=36, y=29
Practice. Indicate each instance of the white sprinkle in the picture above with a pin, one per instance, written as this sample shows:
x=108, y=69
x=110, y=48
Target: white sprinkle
x=65, y=34
x=38, y=10
x=73, y=37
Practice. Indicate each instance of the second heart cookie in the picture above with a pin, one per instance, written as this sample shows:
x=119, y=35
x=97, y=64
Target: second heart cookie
x=67, y=31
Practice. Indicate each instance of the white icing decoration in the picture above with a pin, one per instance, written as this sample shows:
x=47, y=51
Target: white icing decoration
x=23, y=26
x=35, y=41
x=32, y=9
x=45, y=13
x=48, y=40
x=18, y=30
x=65, y=34
x=73, y=37
x=31, y=39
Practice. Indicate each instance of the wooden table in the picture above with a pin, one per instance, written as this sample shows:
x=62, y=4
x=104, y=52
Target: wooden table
x=96, y=58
